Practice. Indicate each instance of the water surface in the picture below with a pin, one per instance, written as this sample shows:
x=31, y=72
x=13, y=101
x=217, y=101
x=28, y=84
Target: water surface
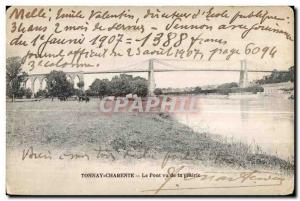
x=266, y=121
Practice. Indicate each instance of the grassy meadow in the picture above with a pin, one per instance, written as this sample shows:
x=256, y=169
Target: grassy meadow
x=81, y=126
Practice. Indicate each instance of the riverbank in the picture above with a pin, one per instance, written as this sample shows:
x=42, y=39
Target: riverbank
x=283, y=90
x=78, y=127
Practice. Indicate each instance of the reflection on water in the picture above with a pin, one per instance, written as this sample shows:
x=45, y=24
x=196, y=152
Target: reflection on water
x=244, y=107
x=266, y=121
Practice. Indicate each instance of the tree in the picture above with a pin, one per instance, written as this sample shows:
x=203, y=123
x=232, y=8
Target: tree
x=139, y=87
x=100, y=87
x=197, y=90
x=89, y=92
x=119, y=86
x=28, y=93
x=20, y=93
x=291, y=73
x=277, y=77
x=58, y=85
x=228, y=85
x=80, y=84
x=41, y=93
x=78, y=92
x=14, y=77
x=158, y=91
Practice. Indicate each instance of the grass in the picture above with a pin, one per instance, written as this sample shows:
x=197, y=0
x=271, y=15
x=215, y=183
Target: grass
x=74, y=125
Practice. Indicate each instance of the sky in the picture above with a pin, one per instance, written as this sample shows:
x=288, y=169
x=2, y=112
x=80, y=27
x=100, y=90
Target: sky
x=283, y=59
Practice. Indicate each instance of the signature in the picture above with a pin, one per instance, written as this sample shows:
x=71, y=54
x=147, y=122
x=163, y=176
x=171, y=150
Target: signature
x=213, y=180
x=176, y=177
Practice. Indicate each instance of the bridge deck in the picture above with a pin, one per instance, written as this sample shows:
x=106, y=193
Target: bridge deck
x=168, y=70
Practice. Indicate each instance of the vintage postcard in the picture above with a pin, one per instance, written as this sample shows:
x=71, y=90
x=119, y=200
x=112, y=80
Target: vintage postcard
x=157, y=100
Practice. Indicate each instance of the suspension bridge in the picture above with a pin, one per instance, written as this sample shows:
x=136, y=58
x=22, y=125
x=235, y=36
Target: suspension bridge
x=152, y=66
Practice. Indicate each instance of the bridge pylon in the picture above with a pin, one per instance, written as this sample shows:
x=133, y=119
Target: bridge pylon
x=243, y=83
x=151, y=81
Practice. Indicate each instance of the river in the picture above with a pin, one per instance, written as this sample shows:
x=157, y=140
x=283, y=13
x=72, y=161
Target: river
x=264, y=121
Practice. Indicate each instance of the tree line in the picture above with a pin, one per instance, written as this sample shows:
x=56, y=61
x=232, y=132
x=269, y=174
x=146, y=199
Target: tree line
x=277, y=77
x=57, y=84
x=119, y=86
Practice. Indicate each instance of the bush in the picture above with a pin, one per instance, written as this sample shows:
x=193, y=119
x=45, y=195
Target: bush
x=158, y=91
x=28, y=93
x=41, y=93
x=20, y=93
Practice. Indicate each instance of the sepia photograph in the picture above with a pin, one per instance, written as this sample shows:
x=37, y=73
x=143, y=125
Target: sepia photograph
x=150, y=100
